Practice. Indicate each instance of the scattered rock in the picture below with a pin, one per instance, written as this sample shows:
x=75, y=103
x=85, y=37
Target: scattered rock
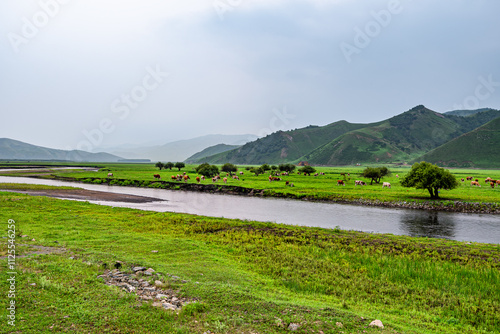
x=149, y=272
x=376, y=323
x=33, y=284
x=293, y=327
x=129, y=282
x=154, y=251
x=339, y=325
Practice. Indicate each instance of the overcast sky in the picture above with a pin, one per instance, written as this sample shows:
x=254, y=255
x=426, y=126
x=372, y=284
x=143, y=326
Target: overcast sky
x=90, y=74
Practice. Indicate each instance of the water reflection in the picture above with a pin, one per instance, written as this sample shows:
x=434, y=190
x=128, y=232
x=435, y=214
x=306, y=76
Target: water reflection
x=428, y=224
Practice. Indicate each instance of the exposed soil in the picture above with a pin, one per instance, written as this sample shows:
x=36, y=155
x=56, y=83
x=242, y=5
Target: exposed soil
x=88, y=195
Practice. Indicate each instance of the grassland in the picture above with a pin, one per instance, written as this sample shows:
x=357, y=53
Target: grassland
x=322, y=187
x=249, y=277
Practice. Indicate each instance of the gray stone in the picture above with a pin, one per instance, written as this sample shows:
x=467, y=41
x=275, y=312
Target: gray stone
x=161, y=296
x=377, y=323
x=136, y=269
x=169, y=306
x=293, y=327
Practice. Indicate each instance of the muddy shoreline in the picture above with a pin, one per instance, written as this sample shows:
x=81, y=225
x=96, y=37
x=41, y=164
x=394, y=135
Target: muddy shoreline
x=86, y=195
x=446, y=206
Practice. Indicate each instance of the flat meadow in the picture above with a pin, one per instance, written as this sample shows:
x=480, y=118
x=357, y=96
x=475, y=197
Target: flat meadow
x=321, y=187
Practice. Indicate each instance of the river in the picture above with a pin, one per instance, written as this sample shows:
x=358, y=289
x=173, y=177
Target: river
x=456, y=226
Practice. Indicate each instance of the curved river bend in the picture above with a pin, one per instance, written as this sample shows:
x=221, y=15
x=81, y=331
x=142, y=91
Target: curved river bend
x=456, y=226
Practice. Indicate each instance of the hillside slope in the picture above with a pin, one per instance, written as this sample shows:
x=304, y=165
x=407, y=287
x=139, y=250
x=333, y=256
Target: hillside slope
x=478, y=148
x=284, y=146
x=398, y=139
x=17, y=150
x=216, y=149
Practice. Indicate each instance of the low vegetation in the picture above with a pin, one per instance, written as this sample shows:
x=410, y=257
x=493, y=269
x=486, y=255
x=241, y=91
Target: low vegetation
x=247, y=277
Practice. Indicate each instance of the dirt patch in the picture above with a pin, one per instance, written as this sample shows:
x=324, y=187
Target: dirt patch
x=87, y=195
x=40, y=250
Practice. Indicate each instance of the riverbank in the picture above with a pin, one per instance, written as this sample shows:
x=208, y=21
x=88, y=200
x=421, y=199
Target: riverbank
x=435, y=205
x=245, y=276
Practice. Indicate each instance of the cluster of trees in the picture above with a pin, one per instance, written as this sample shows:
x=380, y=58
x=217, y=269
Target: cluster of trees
x=170, y=165
x=207, y=170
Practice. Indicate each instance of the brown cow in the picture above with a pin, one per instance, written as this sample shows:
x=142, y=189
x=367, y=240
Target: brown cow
x=498, y=182
x=469, y=178
x=488, y=179
x=492, y=184
x=225, y=180
x=186, y=177
x=340, y=183
x=475, y=183
x=173, y=177
x=198, y=179
x=110, y=174
x=157, y=176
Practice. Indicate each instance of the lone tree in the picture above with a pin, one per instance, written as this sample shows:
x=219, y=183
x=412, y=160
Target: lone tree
x=207, y=170
x=160, y=165
x=168, y=165
x=375, y=173
x=229, y=168
x=307, y=170
x=425, y=175
x=179, y=165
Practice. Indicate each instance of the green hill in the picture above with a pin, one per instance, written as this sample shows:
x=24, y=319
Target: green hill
x=284, y=146
x=478, y=148
x=198, y=157
x=464, y=113
x=16, y=150
x=400, y=138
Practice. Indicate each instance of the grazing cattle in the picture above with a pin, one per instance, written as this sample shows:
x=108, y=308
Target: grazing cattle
x=241, y=173
x=469, y=178
x=462, y=180
x=359, y=183
x=477, y=180
x=173, y=177
x=184, y=173
x=225, y=180
x=492, y=184
x=340, y=183
x=315, y=174
x=235, y=177
x=475, y=183
x=110, y=174
x=203, y=177
x=287, y=183
x=214, y=179
x=498, y=182
x=157, y=176
x=198, y=179
x=186, y=177
x=397, y=175
x=386, y=184
x=488, y=179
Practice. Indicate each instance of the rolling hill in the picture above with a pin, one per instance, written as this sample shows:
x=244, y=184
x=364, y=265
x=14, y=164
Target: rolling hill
x=284, y=146
x=478, y=148
x=16, y=150
x=399, y=139
x=198, y=157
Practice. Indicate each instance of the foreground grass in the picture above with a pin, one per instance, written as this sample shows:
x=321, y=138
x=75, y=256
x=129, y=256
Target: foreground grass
x=20, y=186
x=250, y=277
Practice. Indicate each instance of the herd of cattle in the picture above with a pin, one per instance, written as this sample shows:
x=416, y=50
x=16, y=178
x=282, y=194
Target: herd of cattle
x=475, y=182
x=276, y=177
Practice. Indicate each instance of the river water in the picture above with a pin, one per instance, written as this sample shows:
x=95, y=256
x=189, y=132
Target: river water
x=456, y=226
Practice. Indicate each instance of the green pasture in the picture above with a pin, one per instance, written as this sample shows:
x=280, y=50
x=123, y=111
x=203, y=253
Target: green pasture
x=322, y=187
x=248, y=277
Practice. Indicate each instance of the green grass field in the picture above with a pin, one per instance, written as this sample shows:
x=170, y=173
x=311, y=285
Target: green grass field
x=322, y=187
x=248, y=277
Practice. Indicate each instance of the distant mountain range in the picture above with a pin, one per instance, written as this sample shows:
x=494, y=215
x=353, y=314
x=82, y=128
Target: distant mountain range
x=402, y=138
x=182, y=149
x=16, y=150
